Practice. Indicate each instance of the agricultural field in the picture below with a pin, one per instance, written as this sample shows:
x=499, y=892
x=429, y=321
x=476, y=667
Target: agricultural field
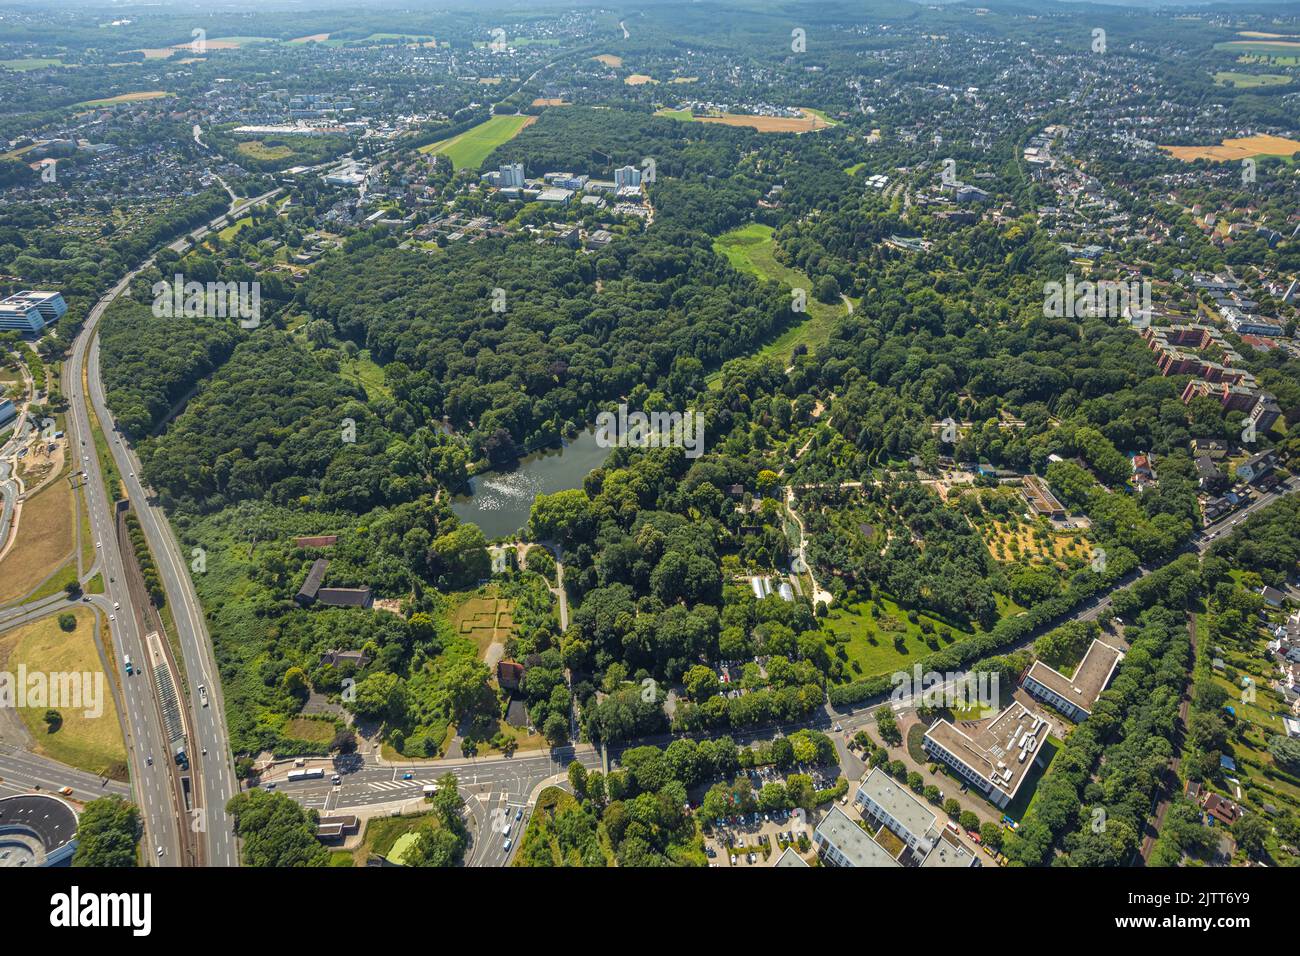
x=810, y=121
x=1275, y=47
x=127, y=98
x=470, y=148
x=91, y=741
x=1235, y=149
x=609, y=59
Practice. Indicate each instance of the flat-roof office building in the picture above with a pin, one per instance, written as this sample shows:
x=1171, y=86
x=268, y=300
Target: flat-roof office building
x=30, y=312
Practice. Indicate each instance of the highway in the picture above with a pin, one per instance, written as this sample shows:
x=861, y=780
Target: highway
x=147, y=749
x=213, y=774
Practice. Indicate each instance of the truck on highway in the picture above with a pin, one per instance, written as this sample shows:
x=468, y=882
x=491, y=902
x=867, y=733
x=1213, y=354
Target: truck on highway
x=315, y=773
x=126, y=658
x=430, y=789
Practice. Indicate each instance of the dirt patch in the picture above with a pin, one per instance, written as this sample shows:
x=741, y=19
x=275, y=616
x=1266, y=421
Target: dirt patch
x=770, y=124
x=550, y=101
x=639, y=79
x=609, y=59
x=44, y=542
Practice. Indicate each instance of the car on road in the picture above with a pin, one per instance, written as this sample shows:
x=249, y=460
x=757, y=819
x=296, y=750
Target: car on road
x=519, y=814
x=66, y=791
x=203, y=695
x=149, y=760
x=408, y=776
x=336, y=780
x=117, y=606
x=508, y=844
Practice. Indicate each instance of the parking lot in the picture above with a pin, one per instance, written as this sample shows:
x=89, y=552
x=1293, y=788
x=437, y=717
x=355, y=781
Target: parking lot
x=755, y=839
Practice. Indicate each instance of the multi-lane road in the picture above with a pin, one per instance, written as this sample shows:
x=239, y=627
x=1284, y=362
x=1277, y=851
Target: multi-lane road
x=211, y=768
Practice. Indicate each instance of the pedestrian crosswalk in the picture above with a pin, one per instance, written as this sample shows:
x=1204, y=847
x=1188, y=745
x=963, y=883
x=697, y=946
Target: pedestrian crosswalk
x=398, y=784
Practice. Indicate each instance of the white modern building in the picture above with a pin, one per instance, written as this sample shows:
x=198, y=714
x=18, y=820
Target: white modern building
x=1075, y=696
x=627, y=176
x=511, y=175
x=30, y=311
x=994, y=755
x=886, y=802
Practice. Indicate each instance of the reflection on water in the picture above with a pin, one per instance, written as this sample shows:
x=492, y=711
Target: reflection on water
x=499, y=501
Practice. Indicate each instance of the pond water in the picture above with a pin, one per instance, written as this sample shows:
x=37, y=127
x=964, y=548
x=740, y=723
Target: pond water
x=499, y=501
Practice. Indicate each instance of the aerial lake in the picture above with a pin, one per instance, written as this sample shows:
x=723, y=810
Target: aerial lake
x=499, y=501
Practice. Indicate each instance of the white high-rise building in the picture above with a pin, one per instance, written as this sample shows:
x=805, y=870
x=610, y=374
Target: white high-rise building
x=511, y=174
x=627, y=176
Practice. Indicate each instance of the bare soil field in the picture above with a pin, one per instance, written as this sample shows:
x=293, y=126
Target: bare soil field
x=1232, y=149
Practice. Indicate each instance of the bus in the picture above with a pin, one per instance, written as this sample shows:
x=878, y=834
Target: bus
x=313, y=774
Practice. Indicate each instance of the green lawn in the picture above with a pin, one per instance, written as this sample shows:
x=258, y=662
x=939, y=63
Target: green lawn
x=31, y=63
x=470, y=148
x=230, y=231
x=1249, y=80
x=752, y=249
x=1279, y=48
x=885, y=642
x=367, y=374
